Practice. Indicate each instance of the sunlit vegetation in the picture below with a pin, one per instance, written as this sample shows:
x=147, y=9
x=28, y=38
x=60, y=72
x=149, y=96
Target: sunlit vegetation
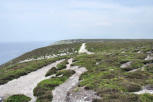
x=18, y=98
x=43, y=91
x=66, y=73
x=46, y=51
x=62, y=65
x=105, y=76
x=51, y=71
x=15, y=71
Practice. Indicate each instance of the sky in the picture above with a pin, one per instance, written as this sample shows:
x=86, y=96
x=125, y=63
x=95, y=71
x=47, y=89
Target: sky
x=50, y=20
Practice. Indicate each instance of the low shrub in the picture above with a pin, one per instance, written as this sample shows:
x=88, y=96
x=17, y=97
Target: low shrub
x=20, y=69
x=18, y=98
x=146, y=98
x=130, y=86
x=43, y=91
x=66, y=73
x=62, y=65
x=137, y=75
x=149, y=68
x=51, y=71
x=118, y=97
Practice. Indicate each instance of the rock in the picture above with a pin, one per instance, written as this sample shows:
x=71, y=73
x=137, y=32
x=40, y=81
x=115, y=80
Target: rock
x=139, y=52
x=134, y=70
x=81, y=95
x=149, y=57
x=97, y=63
x=149, y=87
x=149, y=52
x=125, y=65
x=123, y=52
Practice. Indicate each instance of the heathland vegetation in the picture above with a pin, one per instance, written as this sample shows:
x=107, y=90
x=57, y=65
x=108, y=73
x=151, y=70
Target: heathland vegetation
x=116, y=71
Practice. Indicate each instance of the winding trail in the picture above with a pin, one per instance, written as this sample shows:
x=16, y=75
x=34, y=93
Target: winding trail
x=60, y=92
x=25, y=84
x=84, y=50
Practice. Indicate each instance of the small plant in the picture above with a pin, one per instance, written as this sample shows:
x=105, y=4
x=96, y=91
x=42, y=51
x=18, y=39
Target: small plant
x=149, y=68
x=67, y=73
x=62, y=65
x=43, y=91
x=146, y=98
x=18, y=98
x=51, y=71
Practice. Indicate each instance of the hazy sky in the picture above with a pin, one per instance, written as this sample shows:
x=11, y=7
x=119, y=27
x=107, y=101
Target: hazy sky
x=46, y=20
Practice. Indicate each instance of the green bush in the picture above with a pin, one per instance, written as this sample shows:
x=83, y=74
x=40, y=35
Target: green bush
x=62, y=65
x=51, y=71
x=149, y=68
x=130, y=86
x=146, y=98
x=43, y=91
x=67, y=73
x=18, y=98
x=20, y=69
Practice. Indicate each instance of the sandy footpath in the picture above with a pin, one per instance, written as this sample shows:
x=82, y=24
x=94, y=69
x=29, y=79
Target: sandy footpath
x=25, y=84
x=84, y=50
x=60, y=92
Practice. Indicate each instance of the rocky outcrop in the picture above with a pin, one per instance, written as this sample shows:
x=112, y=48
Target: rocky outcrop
x=125, y=65
x=149, y=57
x=79, y=94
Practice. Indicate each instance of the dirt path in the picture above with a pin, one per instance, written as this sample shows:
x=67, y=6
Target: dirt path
x=26, y=84
x=84, y=50
x=60, y=92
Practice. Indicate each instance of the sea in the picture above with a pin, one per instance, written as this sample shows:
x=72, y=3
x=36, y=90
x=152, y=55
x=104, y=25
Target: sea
x=9, y=51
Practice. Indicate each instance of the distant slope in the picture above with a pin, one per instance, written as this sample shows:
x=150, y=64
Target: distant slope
x=64, y=46
x=46, y=51
x=105, y=72
x=97, y=40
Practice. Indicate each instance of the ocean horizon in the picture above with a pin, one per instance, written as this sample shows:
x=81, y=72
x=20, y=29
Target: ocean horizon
x=9, y=50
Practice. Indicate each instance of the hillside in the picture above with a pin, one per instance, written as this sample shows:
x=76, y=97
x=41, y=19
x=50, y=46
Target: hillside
x=86, y=70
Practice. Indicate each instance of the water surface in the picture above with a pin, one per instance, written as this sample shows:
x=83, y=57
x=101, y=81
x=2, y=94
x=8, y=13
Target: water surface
x=9, y=51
